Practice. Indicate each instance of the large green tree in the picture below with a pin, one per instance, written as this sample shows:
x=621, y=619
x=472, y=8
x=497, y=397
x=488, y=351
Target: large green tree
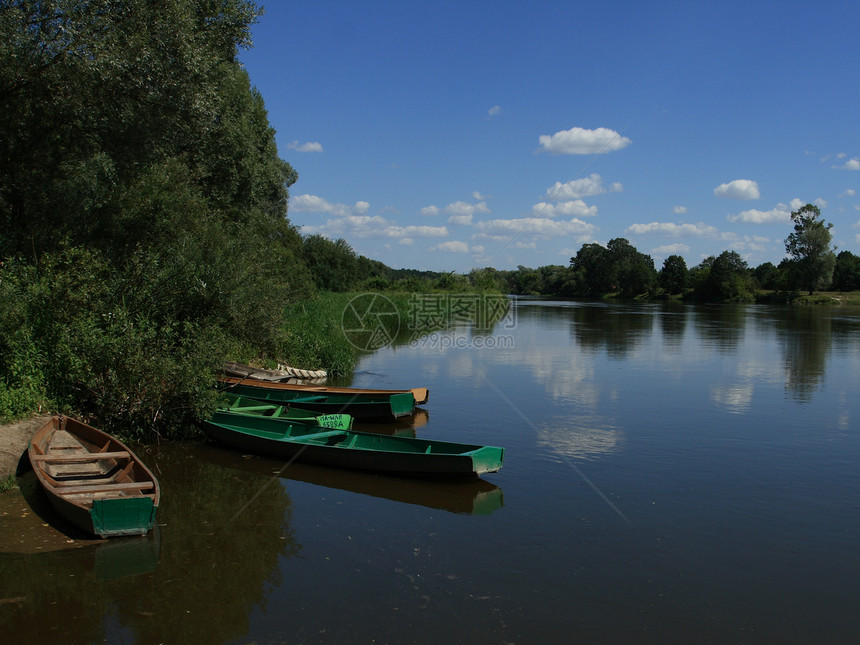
x=730, y=279
x=809, y=248
x=616, y=268
x=673, y=275
x=143, y=228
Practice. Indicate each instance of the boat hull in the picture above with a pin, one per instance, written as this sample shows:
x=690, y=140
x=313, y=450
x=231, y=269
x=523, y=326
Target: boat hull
x=253, y=376
x=93, y=480
x=356, y=450
x=241, y=405
x=358, y=406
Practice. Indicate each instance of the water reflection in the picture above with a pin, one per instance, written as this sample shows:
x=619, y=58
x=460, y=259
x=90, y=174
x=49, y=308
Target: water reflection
x=617, y=330
x=222, y=534
x=720, y=326
x=673, y=325
x=805, y=338
x=478, y=497
x=581, y=437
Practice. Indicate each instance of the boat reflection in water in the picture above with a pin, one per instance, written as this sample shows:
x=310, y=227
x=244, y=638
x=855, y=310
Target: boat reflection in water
x=402, y=427
x=36, y=536
x=473, y=497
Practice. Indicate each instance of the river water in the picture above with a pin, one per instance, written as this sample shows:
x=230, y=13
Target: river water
x=673, y=474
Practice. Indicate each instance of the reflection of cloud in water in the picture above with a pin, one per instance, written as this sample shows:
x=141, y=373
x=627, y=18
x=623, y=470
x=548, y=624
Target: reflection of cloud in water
x=581, y=438
x=735, y=398
x=567, y=375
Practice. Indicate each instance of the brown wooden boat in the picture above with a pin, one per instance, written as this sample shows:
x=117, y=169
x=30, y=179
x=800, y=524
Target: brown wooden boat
x=92, y=479
x=421, y=394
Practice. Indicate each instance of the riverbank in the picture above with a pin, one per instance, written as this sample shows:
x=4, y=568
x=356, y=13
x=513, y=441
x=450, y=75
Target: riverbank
x=14, y=439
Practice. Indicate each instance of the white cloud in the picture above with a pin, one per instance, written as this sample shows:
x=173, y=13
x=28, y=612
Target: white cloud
x=680, y=210
x=352, y=222
x=848, y=193
x=478, y=196
x=573, y=208
x=738, y=189
x=493, y=111
x=534, y=226
x=851, y=164
x=577, y=188
x=671, y=249
x=460, y=220
x=392, y=230
x=452, y=246
x=310, y=146
x=580, y=141
x=406, y=241
x=430, y=210
x=780, y=214
x=670, y=229
x=314, y=204
x=752, y=243
x=465, y=208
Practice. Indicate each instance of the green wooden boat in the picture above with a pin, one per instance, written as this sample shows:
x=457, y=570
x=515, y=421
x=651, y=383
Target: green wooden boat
x=355, y=450
x=234, y=404
x=357, y=404
x=92, y=479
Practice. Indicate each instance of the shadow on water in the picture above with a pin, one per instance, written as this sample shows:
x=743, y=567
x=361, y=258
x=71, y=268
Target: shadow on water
x=214, y=555
x=474, y=497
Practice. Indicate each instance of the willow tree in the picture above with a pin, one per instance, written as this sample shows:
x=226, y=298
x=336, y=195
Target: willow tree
x=813, y=259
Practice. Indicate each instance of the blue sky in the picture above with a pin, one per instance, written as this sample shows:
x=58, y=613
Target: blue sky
x=451, y=135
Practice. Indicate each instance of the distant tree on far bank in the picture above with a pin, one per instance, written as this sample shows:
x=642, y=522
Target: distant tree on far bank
x=616, y=268
x=673, y=275
x=809, y=248
x=846, y=274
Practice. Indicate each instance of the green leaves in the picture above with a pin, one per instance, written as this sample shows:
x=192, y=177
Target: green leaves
x=809, y=247
x=144, y=203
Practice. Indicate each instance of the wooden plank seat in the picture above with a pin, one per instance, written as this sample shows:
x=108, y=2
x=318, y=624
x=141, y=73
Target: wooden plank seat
x=83, y=457
x=104, y=488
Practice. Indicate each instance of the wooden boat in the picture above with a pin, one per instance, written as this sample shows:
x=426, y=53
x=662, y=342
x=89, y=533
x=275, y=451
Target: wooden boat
x=421, y=394
x=284, y=374
x=358, y=404
x=92, y=479
x=355, y=450
x=233, y=404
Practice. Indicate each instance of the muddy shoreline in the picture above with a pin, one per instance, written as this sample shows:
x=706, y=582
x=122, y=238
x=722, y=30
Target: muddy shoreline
x=14, y=439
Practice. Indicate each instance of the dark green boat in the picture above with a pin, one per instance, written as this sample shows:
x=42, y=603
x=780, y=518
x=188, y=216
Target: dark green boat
x=355, y=450
x=358, y=405
x=233, y=404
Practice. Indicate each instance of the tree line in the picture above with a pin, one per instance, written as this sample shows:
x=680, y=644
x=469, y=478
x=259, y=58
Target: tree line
x=620, y=269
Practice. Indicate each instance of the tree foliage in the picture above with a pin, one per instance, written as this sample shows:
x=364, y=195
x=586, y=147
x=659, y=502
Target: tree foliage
x=616, y=268
x=142, y=206
x=846, y=273
x=809, y=248
x=673, y=275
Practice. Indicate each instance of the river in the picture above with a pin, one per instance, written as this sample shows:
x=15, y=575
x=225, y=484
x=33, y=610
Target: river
x=673, y=474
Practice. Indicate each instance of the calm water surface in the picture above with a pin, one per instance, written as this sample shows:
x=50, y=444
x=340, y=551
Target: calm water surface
x=672, y=474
